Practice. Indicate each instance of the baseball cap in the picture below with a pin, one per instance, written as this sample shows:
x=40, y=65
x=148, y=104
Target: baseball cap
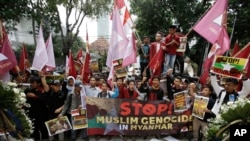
x=57, y=82
x=78, y=84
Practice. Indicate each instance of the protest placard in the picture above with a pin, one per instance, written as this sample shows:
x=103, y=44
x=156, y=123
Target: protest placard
x=229, y=66
x=79, y=119
x=180, y=101
x=120, y=71
x=58, y=125
x=200, y=103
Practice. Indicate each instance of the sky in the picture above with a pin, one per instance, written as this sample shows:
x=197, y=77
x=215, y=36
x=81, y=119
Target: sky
x=91, y=23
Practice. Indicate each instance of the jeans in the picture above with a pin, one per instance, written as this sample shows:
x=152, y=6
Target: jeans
x=169, y=62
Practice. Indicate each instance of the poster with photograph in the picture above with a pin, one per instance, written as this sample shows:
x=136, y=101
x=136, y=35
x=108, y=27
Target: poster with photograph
x=183, y=44
x=229, y=66
x=79, y=119
x=120, y=71
x=58, y=125
x=200, y=103
x=94, y=66
x=180, y=103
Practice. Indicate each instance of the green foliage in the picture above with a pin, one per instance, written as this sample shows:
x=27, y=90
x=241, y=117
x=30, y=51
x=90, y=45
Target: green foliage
x=12, y=10
x=240, y=8
x=153, y=16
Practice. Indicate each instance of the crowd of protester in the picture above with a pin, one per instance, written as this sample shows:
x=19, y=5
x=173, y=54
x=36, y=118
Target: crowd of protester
x=58, y=97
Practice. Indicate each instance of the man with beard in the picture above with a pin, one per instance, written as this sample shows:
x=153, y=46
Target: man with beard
x=92, y=90
x=130, y=92
x=155, y=92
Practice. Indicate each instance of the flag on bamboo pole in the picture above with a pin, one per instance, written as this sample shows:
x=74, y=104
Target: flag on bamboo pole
x=245, y=53
x=24, y=60
x=41, y=57
x=130, y=54
x=221, y=45
x=79, y=56
x=51, y=64
x=86, y=64
x=71, y=66
x=118, y=42
x=210, y=25
x=236, y=48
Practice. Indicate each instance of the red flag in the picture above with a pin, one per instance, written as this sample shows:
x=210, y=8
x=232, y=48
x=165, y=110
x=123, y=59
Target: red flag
x=155, y=63
x=235, y=49
x=86, y=69
x=221, y=45
x=7, y=56
x=51, y=64
x=71, y=66
x=24, y=61
x=79, y=56
x=210, y=25
x=41, y=56
x=245, y=53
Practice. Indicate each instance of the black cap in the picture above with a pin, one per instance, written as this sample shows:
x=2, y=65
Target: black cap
x=78, y=84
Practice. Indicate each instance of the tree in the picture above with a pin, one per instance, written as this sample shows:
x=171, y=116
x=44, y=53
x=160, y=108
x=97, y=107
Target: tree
x=156, y=15
x=12, y=10
x=76, y=12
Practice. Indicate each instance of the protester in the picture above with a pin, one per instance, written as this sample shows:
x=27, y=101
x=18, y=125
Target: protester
x=38, y=111
x=228, y=93
x=56, y=101
x=176, y=87
x=92, y=90
x=200, y=124
x=73, y=102
x=172, y=43
x=130, y=92
x=144, y=51
x=154, y=48
x=105, y=93
x=154, y=92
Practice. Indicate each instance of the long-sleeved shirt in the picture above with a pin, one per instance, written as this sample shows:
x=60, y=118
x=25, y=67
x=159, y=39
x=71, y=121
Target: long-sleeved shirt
x=92, y=91
x=223, y=96
x=72, y=102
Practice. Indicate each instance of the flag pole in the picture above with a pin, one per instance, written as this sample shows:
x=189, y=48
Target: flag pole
x=231, y=36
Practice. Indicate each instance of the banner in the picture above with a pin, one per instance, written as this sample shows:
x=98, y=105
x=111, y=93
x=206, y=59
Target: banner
x=58, y=125
x=229, y=66
x=108, y=116
x=200, y=103
x=180, y=103
x=120, y=71
x=79, y=119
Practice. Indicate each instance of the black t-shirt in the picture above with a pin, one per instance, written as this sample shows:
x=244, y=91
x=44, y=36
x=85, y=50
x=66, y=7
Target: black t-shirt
x=55, y=100
x=38, y=108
